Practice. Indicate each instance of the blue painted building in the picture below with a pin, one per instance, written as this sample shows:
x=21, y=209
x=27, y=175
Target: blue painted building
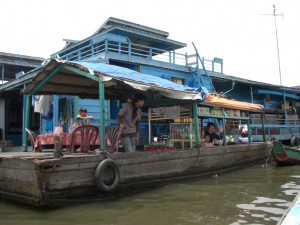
x=150, y=51
x=12, y=70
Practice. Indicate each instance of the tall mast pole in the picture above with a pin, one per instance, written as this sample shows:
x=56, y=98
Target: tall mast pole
x=278, y=55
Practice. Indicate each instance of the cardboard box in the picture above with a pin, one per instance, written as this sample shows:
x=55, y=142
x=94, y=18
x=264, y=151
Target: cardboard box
x=6, y=143
x=203, y=110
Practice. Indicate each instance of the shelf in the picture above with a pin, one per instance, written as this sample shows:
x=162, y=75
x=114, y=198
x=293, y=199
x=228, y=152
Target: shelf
x=210, y=116
x=182, y=134
x=225, y=117
x=187, y=140
x=237, y=117
x=169, y=112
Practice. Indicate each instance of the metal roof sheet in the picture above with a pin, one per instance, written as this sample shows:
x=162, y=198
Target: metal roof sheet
x=82, y=79
x=111, y=22
x=20, y=60
x=252, y=82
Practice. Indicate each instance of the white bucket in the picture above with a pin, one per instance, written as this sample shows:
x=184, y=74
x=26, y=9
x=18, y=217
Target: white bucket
x=58, y=130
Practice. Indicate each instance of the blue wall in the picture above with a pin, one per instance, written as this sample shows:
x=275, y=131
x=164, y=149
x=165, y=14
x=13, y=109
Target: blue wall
x=166, y=73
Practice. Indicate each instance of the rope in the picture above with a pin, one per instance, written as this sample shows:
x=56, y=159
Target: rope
x=269, y=153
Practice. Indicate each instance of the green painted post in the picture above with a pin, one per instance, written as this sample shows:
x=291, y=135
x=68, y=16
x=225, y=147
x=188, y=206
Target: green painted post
x=224, y=130
x=224, y=122
x=75, y=108
x=101, y=105
x=248, y=128
x=196, y=127
x=285, y=112
x=27, y=113
x=263, y=126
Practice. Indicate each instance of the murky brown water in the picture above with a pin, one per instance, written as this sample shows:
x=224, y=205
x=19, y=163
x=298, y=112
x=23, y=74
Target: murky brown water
x=255, y=195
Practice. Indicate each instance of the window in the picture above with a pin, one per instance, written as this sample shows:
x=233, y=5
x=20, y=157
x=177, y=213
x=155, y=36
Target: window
x=177, y=80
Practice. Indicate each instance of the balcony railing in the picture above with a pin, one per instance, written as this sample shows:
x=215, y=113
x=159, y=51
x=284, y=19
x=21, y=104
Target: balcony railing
x=137, y=51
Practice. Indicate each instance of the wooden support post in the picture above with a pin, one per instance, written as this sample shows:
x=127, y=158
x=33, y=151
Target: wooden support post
x=55, y=111
x=129, y=49
x=251, y=92
x=285, y=113
x=196, y=127
x=149, y=122
x=249, y=131
x=2, y=73
x=263, y=126
x=27, y=113
x=150, y=53
x=224, y=130
x=101, y=105
x=106, y=46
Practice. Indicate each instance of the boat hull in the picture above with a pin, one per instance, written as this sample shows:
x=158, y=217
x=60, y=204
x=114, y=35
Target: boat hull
x=40, y=179
x=285, y=156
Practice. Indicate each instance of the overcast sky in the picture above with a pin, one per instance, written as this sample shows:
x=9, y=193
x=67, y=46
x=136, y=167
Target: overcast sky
x=233, y=30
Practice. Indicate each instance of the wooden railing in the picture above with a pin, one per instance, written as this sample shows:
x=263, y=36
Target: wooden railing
x=141, y=52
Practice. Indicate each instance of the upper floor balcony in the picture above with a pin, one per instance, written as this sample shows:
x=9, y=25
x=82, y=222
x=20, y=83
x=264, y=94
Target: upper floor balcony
x=120, y=48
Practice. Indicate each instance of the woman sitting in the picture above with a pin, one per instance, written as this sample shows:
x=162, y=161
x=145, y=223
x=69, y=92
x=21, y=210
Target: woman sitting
x=210, y=129
x=82, y=117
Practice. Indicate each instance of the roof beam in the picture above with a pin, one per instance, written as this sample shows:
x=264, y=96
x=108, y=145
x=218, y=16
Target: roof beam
x=279, y=93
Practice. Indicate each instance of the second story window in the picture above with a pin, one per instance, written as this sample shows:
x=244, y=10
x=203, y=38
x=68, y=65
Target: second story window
x=177, y=80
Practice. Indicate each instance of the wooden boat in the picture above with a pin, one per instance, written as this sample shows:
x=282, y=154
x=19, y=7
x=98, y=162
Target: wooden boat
x=284, y=155
x=41, y=179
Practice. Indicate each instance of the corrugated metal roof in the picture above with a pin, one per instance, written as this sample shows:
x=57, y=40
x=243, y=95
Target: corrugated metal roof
x=255, y=83
x=20, y=60
x=18, y=83
x=112, y=22
x=67, y=78
x=159, y=64
x=144, y=36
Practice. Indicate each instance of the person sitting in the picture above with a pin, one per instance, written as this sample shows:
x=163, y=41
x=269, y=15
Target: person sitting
x=243, y=132
x=207, y=142
x=82, y=117
x=210, y=129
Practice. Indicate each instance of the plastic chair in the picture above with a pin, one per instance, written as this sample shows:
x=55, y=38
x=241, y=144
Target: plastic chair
x=32, y=138
x=87, y=134
x=114, y=136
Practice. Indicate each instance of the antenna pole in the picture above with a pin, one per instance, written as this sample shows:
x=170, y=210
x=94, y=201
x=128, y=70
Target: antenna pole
x=278, y=55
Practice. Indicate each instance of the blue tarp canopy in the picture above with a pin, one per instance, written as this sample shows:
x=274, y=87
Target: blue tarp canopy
x=82, y=79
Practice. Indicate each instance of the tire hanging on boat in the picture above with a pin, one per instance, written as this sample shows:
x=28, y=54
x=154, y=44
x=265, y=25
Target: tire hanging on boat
x=107, y=175
x=295, y=141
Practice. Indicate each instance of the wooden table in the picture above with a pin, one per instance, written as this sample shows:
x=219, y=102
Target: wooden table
x=65, y=139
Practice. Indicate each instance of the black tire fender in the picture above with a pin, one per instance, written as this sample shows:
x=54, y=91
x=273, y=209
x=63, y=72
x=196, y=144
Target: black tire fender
x=295, y=141
x=100, y=175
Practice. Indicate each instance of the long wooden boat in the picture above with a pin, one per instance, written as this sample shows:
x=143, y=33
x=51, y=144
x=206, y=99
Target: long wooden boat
x=284, y=155
x=42, y=180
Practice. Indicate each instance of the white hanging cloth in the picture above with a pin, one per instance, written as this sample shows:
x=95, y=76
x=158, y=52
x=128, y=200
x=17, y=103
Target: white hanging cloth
x=42, y=104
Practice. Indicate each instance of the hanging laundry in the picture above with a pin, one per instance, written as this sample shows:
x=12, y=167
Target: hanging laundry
x=42, y=104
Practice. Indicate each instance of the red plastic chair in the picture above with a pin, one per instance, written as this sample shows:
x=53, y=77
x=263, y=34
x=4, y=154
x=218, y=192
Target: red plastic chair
x=31, y=138
x=114, y=136
x=87, y=134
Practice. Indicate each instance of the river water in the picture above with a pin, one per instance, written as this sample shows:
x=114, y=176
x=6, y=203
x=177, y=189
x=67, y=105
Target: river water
x=258, y=194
